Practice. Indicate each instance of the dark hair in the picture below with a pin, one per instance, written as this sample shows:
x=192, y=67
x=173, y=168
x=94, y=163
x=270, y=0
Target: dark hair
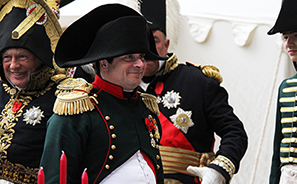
x=109, y=60
x=97, y=65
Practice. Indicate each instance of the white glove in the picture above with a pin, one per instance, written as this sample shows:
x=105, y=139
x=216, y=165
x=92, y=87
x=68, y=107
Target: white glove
x=208, y=175
x=4, y=182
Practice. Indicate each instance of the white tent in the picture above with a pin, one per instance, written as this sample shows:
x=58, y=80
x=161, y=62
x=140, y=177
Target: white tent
x=231, y=35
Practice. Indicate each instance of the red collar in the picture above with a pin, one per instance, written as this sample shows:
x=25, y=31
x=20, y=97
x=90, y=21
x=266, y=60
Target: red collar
x=104, y=85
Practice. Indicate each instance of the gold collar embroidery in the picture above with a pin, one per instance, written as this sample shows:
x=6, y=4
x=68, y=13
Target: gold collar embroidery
x=18, y=101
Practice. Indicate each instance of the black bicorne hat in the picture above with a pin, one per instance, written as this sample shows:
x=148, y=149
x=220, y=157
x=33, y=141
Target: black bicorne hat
x=108, y=31
x=287, y=17
x=31, y=25
x=155, y=12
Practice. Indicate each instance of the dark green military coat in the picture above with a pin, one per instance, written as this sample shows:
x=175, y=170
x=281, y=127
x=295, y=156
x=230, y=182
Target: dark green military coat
x=285, y=138
x=100, y=140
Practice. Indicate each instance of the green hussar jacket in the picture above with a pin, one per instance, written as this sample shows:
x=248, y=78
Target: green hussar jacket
x=100, y=140
x=285, y=138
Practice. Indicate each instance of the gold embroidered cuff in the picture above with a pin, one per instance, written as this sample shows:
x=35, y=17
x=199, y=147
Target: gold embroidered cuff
x=226, y=164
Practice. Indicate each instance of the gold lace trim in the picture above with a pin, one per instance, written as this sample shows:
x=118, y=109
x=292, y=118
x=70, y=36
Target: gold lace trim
x=226, y=164
x=17, y=173
x=52, y=26
x=18, y=101
x=40, y=81
x=176, y=160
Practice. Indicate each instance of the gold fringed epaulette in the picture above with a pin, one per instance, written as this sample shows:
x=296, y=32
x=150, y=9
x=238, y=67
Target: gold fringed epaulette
x=212, y=72
x=150, y=102
x=75, y=102
x=67, y=84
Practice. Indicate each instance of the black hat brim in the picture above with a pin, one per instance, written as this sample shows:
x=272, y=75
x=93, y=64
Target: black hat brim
x=286, y=20
x=77, y=45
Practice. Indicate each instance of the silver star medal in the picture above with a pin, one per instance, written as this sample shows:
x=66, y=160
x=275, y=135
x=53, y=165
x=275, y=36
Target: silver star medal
x=182, y=120
x=33, y=116
x=159, y=99
x=171, y=99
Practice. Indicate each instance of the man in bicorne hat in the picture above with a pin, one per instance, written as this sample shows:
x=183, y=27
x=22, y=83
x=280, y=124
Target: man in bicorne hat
x=29, y=31
x=284, y=159
x=193, y=106
x=107, y=127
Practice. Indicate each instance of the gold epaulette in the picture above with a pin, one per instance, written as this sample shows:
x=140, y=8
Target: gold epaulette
x=210, y=71
x=171, y=64
x=150, y=102
x=67, y=84
x=75, y=102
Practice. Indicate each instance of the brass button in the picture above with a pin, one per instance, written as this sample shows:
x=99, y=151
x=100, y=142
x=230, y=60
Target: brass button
x=107, y=166
x=15, y=34
x=292, y=149
x=111, y=127
x=113, y=136
x=107, y=118
x=291, y=159
x=294, y=119
x=158, y=167
x=113, y=147
x=157, y=157
x=95, y=95
x=110, y=157
x=294, y=129
x=293, y=139
x=157, y=146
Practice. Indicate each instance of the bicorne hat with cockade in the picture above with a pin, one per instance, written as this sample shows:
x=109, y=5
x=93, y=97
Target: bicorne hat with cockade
x=286, y=20
x=108, y=31
x=30, y=24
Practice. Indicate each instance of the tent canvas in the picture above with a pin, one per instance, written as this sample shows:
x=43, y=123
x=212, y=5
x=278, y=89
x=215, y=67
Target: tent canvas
x=231, y=35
